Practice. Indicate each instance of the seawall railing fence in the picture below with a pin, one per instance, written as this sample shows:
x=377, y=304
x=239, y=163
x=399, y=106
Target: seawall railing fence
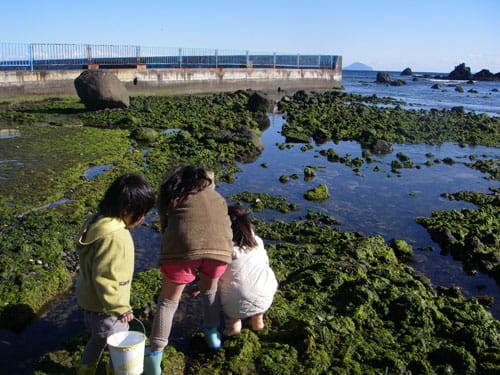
x=48, y=56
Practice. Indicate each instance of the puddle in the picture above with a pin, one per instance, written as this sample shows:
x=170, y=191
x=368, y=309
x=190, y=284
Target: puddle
x=47, y=206
x=174, y=130
x=93, y=172
x=9, y=133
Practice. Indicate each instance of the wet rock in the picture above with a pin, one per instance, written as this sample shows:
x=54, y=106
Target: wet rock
x=445, y=237
x=144, y=134
x=461, y=72
x=407, y=72
x=15, y=317
x=398, y=82
x=380, y=147
x=258, y=102
x=383, y=77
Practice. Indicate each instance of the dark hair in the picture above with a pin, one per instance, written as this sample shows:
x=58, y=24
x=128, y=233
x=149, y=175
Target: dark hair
x=177, y=184
x=241, y=224
x=128, y=194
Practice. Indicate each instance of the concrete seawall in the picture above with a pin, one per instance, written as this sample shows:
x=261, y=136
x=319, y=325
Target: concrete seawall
x=175, y=81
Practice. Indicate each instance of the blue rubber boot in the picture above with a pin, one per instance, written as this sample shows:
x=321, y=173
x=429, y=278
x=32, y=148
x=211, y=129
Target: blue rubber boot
x=152, y=361
x=213, y=338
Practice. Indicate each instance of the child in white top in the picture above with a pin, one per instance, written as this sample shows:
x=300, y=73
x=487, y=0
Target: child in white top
x=248, y=285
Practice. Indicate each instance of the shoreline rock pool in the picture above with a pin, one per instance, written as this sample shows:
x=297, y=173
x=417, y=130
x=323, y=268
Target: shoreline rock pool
x=348, y=302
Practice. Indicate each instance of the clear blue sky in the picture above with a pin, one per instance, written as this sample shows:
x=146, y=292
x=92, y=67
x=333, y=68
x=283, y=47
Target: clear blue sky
x=425, y=35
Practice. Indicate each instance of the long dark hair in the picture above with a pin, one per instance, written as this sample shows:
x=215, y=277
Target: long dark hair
x=128, y=194
x=177, y=184
x=241, y=224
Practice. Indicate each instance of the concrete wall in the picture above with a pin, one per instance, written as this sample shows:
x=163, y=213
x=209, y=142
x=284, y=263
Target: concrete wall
x=175, y=81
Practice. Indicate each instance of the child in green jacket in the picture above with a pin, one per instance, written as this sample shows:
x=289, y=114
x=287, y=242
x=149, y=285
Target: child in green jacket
x=106, y=251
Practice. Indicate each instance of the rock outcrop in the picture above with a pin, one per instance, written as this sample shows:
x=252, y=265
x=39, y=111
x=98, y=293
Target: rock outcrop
x=383, y=77
x=100, y=89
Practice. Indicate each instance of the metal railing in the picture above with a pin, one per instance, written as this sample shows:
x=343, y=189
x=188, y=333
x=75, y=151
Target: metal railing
x=45, y=56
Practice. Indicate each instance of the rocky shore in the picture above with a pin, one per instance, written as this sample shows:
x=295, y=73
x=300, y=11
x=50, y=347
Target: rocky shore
x=347, y=303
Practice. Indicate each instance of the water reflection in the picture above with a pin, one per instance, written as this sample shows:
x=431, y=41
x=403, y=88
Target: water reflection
x=382, y=202
x=9, y=133
x=93, y=172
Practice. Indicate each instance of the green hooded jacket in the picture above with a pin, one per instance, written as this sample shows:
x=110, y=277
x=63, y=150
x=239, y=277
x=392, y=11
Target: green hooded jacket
x=106, y=252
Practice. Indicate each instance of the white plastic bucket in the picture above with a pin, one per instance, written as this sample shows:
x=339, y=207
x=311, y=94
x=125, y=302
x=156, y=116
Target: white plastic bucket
x=127, y=352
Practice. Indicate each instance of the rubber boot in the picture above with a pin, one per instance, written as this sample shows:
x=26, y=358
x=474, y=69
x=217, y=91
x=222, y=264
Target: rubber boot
x=152, y=361
x=86, y=369
x=213, y=338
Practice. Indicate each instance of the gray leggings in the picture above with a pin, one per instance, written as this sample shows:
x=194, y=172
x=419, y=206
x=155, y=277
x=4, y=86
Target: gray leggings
x=101, y=326
x=162, y=323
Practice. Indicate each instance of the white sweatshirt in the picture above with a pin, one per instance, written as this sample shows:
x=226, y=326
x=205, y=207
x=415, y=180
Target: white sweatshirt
x=249, y=284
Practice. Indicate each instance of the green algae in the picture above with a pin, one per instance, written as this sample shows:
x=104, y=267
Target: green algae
x=47, y=163
x=470, y=235
x=338, y=116
x=260, y=201
x=346, y=303
x=33, y=271
x=318, y=193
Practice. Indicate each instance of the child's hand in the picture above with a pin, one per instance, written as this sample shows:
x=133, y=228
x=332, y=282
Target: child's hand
x=193, y=290
x=126, y=317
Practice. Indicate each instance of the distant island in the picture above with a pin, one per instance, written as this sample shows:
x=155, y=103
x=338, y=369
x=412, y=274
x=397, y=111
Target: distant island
x=357, y=66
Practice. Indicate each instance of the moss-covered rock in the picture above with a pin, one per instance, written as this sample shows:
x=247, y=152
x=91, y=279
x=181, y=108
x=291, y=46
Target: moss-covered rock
x=318, y=193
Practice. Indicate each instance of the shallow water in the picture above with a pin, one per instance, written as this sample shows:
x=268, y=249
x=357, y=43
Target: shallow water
x=420, y=95
x=380, y=202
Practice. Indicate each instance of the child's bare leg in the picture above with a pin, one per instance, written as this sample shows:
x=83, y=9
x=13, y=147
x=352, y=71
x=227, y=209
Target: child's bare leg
x=257, y=322
x=233, y=326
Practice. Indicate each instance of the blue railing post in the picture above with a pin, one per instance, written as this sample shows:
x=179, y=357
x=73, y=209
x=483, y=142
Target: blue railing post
x=89, y=54
x=248, y=60
x=216, y=59
x=30, y=54
x=180, y=57
x=274, y=60
x=138, y=54
x=298, y=60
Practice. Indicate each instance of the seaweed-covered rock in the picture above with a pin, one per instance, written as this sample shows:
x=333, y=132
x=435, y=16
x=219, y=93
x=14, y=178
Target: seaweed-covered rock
x=144, y=134
x=319, y=193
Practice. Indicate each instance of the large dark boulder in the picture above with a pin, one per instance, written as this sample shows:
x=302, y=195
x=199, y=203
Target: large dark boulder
x=100, y=89
x=461, y=72
x=407, y=72
x=383, y=77
x=258, y=102
x=485, y=75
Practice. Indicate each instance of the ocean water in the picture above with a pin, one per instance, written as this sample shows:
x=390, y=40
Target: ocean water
x=420, y=94
x=372, y=203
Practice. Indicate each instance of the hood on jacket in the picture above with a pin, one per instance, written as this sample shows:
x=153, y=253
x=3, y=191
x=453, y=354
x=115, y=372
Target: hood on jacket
x=97, y=227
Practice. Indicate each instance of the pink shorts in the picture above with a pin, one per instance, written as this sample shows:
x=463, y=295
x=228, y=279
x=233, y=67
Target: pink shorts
x=185, y=272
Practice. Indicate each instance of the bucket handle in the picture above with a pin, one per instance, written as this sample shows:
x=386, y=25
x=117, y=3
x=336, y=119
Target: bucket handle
x=142, y=325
